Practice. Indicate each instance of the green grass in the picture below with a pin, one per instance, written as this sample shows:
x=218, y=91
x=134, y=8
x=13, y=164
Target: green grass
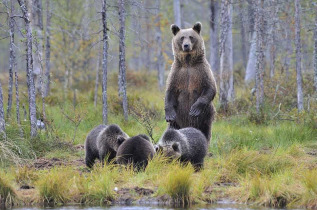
x=54, y=185
x=178, y=183
x=266, y=163
x=7, y=192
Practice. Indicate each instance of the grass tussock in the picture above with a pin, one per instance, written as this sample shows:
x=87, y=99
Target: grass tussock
x=98, y=186
x=54, y=185
x=309, y=197
x=7, y=192
x=178, y=184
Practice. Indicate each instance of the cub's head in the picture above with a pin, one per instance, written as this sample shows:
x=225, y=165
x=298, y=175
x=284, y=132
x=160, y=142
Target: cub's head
x=187, y=40
x=169, y=144
x=116, y=135
x=172, y=151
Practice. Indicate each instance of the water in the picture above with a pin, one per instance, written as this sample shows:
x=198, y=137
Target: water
x=217, y=206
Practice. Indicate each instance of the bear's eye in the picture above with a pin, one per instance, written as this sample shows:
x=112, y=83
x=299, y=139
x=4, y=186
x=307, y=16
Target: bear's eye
x=191, y=38
x=182, y=38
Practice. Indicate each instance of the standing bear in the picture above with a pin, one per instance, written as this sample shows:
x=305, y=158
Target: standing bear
x=103, y=141
x=191, y=86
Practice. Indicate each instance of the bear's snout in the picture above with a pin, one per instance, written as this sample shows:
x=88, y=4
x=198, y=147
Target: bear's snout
x=186, y=47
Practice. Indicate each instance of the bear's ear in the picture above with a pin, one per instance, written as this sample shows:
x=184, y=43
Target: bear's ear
x=175, y=147
x=158, y=148
x=197, y=27
x=120, y=140
x=175, y=29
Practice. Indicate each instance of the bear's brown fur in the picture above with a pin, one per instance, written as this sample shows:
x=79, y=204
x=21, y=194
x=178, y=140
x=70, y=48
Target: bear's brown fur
x=191, y=86
x=137, y=150
x=103, y=141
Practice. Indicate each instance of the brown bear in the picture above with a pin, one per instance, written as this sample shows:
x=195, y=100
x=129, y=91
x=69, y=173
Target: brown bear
x=137, y=150
x=191, y=86
x=103, y=141
x=187, y=144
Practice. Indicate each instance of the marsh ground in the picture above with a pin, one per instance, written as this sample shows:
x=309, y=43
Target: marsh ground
x=268, y=159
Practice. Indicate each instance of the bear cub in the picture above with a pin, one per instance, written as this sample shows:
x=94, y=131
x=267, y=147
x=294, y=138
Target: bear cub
x=137, y=150
x=187, y=144
x=103, y=141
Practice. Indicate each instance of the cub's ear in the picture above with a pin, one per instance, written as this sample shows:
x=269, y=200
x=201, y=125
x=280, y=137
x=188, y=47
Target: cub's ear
x=144, y=137
x=158, y=148
x=175, y=29
x=175, y=147
x=120, y=140
x=197, y=27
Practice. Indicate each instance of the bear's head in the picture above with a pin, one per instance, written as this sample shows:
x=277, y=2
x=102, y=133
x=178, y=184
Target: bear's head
x=187, y=41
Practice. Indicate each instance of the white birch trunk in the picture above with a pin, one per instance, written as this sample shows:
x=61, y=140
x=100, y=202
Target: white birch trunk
x=2, y=121
x=104, y=63
x=214, y=41
x=177, y=13
x=299, y=79
x=259, y=28
x=315, y=52
x=12, y=61
x=226, y=92
x=29, y=73
x=250, y=70
x=47, y=80
x=160, y=57
x=122, y=66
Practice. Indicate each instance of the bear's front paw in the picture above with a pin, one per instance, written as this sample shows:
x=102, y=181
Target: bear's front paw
x=170, y=116
x=195, y=110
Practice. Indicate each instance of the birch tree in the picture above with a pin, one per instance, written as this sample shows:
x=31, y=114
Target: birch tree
x=104, y=63
x=214, y=43
x=259, y=30
x=299, y=79
x=243, y=35
x=29, y=67
x=97, y=80
x=315, y=50
x=251, y=64
x=177, y=13
x=12, y=62
x=160, y=57
x=122, y=65
x=226, y=92
x=47, y=80
x=2, y=121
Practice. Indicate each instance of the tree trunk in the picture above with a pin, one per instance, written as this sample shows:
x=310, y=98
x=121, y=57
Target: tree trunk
x=47, y=80
x=226, y=92
x=251, y=66
x=29, y=69
x=214, y=44
x=97, y=80
x=272, y=36
x=104, y=63
x=259, y=29
x=160, y=57
x=2, y=121
x=299, y=79
x=122, y=66
x=243, y=36
x=177, y=13
x=315, y=52
x=37, y=25
x=12, y=56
